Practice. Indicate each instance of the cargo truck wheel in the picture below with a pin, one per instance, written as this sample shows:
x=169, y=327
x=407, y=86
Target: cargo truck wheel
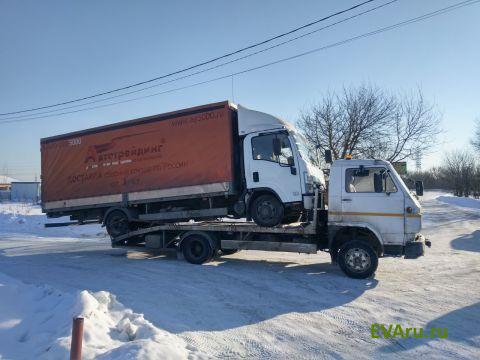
x=117, y=223
x=357, y=259
x=267, y=210
x=197, y=249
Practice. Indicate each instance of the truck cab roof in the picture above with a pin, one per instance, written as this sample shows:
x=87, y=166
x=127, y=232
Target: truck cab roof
x=253, y=121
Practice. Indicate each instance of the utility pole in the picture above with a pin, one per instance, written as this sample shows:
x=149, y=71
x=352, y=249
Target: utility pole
x=418, y=160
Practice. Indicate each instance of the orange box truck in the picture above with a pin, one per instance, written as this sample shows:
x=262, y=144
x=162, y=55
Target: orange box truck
x=205, y=162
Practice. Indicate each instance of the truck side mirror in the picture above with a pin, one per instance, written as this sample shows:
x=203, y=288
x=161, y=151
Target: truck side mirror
x=419, y=187
x=328, y=156
x=277, y=147
x=378, y=183
x=361, y=172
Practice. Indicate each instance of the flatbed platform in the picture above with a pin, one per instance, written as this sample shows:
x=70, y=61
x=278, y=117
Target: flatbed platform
x=297, y=228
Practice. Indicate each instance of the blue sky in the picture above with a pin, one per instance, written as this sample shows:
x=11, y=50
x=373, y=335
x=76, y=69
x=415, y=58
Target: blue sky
x=53, y=51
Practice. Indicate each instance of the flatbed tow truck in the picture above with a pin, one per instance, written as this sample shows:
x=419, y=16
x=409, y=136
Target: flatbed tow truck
x=146, y=180
x=355, y=247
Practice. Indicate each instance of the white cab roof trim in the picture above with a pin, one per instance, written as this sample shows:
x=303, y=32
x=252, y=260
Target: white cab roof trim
x=252, y=121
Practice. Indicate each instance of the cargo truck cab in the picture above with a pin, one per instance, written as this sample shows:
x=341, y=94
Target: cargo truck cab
x=279, y=177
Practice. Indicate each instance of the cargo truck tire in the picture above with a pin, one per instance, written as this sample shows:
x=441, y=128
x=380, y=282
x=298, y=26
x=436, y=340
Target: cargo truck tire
x=358, y=259
x=197, y=249
x=267, y=210
x=117, y=223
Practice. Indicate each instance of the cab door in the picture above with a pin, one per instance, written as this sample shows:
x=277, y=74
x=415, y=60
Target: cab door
x=265, y=169
x=371, y=195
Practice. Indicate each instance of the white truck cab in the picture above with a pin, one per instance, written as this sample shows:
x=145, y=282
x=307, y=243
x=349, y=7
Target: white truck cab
x=276, y=162
x=370, y=194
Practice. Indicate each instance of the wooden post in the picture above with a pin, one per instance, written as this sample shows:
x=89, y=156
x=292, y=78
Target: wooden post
x=77, y=337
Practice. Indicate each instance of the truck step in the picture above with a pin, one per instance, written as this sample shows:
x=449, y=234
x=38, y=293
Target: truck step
x=270, y=246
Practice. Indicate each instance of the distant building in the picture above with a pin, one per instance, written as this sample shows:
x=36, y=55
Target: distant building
x=25, y=191
x=5, y=182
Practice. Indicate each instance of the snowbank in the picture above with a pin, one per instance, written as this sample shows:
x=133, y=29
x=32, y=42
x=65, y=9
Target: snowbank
x=24, y=218
x=35, y=323
x=460, y=201
x=250, y=305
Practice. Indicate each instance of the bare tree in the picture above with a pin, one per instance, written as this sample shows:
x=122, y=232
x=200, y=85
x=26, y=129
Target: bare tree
x=343, y=123
x=368, y=122
x=433, y=178
x=476, y=135
x=460, y=171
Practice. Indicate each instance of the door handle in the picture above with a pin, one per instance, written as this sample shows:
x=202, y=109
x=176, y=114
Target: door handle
x=256, y=178
x=346, y=199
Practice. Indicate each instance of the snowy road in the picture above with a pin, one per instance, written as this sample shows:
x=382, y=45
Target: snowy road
x=251, y=304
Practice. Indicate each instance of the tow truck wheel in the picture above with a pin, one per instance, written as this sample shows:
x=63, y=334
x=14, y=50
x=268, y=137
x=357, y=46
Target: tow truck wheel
x=197, y=249
x=358, y=259
x=267, y=210
x=117, y=223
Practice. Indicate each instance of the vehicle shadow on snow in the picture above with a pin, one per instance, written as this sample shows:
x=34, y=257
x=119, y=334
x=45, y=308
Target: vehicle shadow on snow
x=177, y=296
x=461, y=324
x=467, y=242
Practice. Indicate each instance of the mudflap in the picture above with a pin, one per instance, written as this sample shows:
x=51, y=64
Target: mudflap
x=415, y=249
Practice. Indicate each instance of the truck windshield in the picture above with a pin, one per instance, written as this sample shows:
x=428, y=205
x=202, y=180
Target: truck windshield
x=301, y=143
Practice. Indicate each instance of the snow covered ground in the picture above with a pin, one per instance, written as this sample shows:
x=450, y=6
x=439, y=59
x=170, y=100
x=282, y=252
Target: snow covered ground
x=248, y=305
x=467, y=202
x=23, y=218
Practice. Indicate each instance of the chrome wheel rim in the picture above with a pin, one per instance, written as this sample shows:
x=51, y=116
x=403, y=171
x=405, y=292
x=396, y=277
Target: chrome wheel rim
x=358, y=259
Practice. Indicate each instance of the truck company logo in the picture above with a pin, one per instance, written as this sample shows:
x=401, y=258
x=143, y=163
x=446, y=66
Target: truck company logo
x=102, y=154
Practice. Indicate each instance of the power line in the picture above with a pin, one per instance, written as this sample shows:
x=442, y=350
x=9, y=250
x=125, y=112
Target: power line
x=388, y=28
x=194, y=66
x=207, y=69
x=326, y=47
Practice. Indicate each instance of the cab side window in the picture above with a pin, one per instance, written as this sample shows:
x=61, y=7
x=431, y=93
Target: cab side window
x=369, y=180
x=262, y=148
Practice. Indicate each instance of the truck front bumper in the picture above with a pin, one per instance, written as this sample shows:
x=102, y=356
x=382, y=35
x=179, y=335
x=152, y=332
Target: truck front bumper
x=416, y=248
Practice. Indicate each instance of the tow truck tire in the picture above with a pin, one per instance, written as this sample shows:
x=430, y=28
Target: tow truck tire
x=117, y=223
x=358, y=259
x=197, y=249
x=267, y=210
